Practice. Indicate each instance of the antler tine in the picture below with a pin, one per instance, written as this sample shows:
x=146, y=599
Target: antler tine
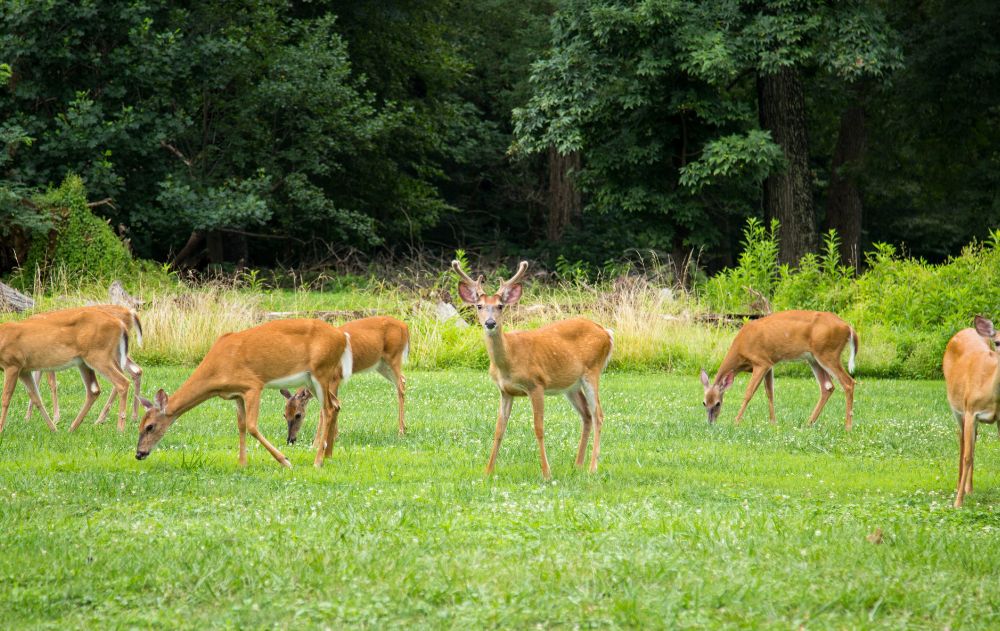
x=522, y=268
x=455, y=265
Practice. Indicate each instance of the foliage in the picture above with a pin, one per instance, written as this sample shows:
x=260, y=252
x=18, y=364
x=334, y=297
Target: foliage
x=80, y=243
x=732, y=290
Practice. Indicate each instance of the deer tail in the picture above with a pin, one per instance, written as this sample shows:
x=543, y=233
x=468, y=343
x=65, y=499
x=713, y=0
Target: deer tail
x=854, y=351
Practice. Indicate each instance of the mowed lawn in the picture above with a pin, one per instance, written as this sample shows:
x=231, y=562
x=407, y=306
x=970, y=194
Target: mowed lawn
x=685, y=525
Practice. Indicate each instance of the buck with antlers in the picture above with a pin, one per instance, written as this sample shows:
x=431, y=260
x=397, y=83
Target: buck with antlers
x=88, y=339
x=817, y=337
x=972, y=377
x=565, y=357
x=130, y=319
x=239, y=366
x=379, y=343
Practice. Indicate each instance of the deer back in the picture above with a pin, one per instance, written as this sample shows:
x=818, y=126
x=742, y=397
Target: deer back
x=375, y=338
x=554, y=356
x=970, y=369
x=789, y=335
x=272, y=351
x=59, y=338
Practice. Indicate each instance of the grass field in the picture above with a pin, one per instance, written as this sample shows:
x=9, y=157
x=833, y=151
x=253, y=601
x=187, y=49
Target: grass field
x=685, y=525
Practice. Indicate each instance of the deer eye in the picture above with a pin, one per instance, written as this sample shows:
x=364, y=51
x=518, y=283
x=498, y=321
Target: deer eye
x=298, y=417
x=149, y=428
x=479, y=307
x=704, y=403
x=500, y=307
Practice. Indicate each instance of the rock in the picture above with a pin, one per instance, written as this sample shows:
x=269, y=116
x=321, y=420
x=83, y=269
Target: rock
x=446, y=312
x=667, y=294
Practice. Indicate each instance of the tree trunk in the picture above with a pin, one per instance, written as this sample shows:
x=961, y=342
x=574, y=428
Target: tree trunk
x=565, y=206
x=189, y=254
x=216, y=249
x=788, y=194
x=843, y=203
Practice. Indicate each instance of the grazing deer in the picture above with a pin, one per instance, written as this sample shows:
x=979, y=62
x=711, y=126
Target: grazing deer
x=564, y=357
x=380, y=343
x=818, y=337
x=130, y=319
x=972, y=377
x=88, y=339
x=240, y=365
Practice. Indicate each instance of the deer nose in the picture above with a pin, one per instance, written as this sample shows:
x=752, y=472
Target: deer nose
x=490, y=324
x=141, y=455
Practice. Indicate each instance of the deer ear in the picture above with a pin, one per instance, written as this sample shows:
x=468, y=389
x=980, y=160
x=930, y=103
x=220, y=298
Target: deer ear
x=467, y=293
x=984, y=327
x=704, y=378
x=304, y=393
x=146, y=403
x=160, y=401
x=726, y=382
x=285, y=393
x=511, y=294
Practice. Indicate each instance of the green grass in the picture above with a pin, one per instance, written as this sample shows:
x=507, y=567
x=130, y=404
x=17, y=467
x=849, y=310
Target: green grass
x=685, y=525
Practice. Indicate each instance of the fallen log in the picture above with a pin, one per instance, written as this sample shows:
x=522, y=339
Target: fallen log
x=343, y=314
x=13, y=300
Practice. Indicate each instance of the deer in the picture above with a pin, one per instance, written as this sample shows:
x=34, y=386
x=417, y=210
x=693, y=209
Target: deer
x=565, y=357
x=239, y=366
x=87, y=339
x=378, y=343
x=972, y=378
x=130, y=319
x=818, y=337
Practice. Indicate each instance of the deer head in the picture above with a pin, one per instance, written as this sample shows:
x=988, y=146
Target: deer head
x=154, y=424
x=489, y=308
x=295, y=410
x=714, y=393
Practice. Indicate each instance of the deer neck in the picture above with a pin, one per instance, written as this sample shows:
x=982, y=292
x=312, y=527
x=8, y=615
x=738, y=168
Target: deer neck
x=190, y=394
x=497, y=346
x=732, y=362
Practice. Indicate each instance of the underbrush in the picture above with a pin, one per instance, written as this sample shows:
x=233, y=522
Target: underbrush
x=904, y=309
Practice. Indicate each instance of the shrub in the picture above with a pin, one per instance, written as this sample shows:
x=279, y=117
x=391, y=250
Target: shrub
x=79, y=242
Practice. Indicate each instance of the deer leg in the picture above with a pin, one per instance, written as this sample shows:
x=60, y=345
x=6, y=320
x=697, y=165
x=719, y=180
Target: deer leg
x=241, y=422
x=506, y=404
x=825, y=389
x=107, y=406
x=968, y=455
x=961, y=446
x=136, y=371
x=394, y=374
x=109, y=368
x=251, y=401
x=92, y=390
x=769, y=389
x=55, y=396
x=334, y=432
x=592, y=394
x=328, y=429
x=972, y=471
x=9, y=382
x=37, y=377
x=755, y=378
x=832, y=366
x=32, y=387
x=537, y=397
x=579, y=403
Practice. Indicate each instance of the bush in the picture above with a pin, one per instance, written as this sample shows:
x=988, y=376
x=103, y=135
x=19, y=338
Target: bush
x=80, y=243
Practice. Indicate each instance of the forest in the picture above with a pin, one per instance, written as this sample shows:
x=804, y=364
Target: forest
x=274, y=133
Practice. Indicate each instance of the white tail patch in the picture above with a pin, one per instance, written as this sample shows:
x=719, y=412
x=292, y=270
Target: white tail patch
x=406, y=352
x=123, y=351
x=138, y=327
x=607, y=360
x=347, y=359
x=854, y=352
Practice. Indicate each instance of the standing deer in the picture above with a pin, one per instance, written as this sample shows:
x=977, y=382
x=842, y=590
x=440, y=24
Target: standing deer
x=818, y=337
x=972, y=377
x=130, y=319
x=240, y=365
x=88, y=339
x=380, y=343
x=565, y=357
